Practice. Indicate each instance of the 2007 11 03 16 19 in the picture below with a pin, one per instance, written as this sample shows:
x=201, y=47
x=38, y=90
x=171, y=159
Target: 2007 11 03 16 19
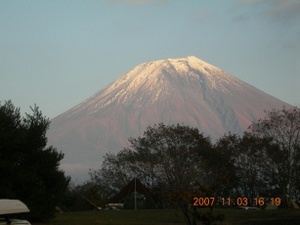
x=204, y=201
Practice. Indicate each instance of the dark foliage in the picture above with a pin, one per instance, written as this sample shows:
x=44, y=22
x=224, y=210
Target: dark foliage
x=29, y=170
x=177, y=162
x=281, y=160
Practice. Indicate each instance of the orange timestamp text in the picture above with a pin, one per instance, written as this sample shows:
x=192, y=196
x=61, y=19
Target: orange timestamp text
x=203, y=201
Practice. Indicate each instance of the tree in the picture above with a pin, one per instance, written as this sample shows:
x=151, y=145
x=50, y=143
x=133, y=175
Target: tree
x=253, y=162
x=170, y=156
x=281, y=166
x=223, y=164
x=165, y=156
x=113, y=174
x=176, y=162
x=29, y=170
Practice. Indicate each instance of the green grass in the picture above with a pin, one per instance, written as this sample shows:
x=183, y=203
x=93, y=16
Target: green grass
x=260, y=217
x=130, y=217
x=175, y=217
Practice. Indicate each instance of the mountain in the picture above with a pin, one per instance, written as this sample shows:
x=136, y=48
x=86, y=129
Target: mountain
x=185, y=90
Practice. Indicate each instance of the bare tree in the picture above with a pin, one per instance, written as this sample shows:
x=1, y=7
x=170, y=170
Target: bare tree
x=282, y=161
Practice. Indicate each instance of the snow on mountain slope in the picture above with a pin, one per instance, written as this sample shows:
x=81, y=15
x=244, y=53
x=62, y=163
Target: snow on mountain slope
x=185, y=90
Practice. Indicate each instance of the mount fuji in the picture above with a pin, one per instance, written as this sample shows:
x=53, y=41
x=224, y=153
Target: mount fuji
x=187, y=91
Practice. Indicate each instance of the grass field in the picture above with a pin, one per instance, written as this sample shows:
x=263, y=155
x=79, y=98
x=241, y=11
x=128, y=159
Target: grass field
x=168, y=217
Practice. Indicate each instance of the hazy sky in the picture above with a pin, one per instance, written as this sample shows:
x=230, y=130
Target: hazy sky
x=58, y=53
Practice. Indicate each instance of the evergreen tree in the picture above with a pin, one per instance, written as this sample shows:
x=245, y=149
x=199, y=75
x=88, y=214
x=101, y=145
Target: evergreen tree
x=29, y=169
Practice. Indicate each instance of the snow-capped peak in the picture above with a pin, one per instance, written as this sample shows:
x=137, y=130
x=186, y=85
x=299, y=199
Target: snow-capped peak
x=184, y=90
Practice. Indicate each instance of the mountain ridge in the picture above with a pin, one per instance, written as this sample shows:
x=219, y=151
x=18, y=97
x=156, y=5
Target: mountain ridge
x=184, y=90
x=139, y=67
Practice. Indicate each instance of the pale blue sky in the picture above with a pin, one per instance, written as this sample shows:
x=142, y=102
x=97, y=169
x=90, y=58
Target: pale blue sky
x=58, y=53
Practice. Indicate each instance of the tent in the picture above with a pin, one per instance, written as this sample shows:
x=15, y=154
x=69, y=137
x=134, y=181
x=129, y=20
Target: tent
x=134, y=186
x=294, y=205
x=12, y=206
x=291, y=204
x=270, y=206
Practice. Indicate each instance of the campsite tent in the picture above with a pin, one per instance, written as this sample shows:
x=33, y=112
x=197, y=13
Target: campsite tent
x=294, y=205
x=133, y=186
x=291, y=204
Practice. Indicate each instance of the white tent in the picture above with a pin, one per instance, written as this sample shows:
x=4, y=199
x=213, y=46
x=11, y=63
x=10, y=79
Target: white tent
x=12, y=206
x=294, y=204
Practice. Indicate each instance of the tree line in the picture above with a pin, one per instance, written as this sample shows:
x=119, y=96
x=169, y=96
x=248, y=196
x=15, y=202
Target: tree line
x=177, y=163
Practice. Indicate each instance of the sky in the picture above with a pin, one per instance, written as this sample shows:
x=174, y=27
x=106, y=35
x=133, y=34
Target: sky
x=57, y=53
